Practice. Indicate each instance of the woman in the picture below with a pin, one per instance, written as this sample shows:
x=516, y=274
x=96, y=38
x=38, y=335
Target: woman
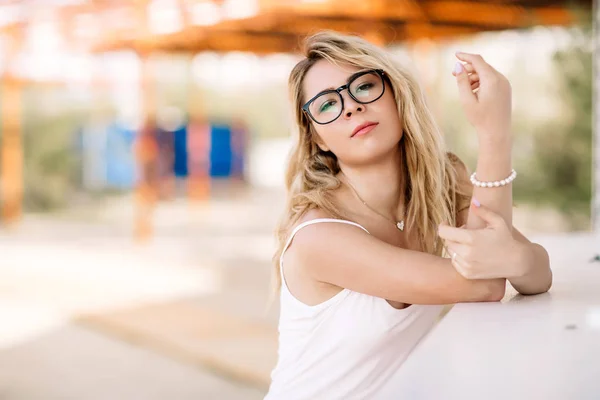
x=373, y=201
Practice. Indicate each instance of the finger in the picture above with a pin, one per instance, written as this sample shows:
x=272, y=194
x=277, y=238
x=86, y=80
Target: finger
x=474, y=77
x=468, y=67
x=479, y=64
x=475, y=86
x=459, y=235
x=461, y=250
x=490, y=217
x=466, y=95
x=462, y=267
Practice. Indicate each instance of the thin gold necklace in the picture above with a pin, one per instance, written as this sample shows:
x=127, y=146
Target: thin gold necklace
x=397, y=224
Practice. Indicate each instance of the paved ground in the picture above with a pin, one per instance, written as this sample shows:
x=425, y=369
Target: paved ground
x=88, y=314
x=73, y=363
x=57, y=299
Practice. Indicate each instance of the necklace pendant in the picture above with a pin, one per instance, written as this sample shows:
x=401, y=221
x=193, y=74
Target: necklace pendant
x=400, y=225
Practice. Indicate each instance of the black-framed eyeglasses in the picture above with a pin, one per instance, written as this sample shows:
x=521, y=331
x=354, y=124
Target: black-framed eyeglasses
x=363, y=87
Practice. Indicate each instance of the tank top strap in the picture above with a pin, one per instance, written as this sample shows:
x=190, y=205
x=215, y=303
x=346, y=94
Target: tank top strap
x=311, y=222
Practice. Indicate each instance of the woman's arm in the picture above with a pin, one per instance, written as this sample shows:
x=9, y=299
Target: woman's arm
x=489, y=111
x=528, y=263
x=347, y=257
x=533, y=265
x=493, y=163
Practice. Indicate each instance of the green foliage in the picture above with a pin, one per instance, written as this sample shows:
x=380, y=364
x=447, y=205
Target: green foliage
x=562, y=148
x=51, y=164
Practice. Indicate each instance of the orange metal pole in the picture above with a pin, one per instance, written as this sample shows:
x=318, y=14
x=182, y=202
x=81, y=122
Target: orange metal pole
x=198, y=185
x=198, y=182
x=11, y=153
x=146, y=153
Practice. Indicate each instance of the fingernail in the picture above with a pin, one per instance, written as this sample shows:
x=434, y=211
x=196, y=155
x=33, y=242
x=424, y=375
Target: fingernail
x=458, y=67
x=476, y=202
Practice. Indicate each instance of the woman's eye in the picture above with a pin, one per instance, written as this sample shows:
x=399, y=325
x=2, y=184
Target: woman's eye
x=364, y=86
x=326, y=106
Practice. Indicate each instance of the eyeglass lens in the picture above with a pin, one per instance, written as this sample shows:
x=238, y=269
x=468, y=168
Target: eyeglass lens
x=364, y=89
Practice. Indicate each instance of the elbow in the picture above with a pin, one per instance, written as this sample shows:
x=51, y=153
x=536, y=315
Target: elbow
x=546, y=281
x=540, y=279
x=547, y=284
x=542, y=287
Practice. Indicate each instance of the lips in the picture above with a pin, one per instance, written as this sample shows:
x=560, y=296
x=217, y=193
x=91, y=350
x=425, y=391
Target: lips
x=364, y=128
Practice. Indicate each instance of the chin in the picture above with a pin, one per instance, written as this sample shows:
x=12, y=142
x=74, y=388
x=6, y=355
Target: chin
x=372, y=154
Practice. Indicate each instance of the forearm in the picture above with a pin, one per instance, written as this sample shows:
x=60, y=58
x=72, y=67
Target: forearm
x=447, y=286
x=493, y=163
x=533, y=264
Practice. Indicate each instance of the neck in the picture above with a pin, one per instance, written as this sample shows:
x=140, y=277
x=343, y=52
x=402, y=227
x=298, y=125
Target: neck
x=381, y=185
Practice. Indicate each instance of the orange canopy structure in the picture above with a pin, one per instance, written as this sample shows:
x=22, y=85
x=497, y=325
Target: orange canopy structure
x=265, y=26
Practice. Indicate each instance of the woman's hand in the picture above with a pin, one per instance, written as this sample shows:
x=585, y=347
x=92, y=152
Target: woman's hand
x=486, y=253
x=485, y=95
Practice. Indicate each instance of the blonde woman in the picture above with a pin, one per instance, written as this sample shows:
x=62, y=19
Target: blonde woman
x=374, y=200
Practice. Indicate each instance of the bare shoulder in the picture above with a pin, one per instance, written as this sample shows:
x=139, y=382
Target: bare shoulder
x=313, y=253
x=314, y=245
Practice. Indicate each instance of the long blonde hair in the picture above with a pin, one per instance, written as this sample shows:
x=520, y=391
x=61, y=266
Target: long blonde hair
x=311, y=173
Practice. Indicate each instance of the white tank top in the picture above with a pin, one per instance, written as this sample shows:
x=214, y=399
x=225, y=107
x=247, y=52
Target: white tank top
x=348, y=347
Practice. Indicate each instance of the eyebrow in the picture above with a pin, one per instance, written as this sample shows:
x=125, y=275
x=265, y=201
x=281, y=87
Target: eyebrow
x=347, y=82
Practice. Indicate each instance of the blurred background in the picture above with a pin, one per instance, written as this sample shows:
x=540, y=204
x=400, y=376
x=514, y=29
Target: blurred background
x=142, y=152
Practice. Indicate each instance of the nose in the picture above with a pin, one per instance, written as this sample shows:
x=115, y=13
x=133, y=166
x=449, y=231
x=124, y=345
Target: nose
x=351, y=106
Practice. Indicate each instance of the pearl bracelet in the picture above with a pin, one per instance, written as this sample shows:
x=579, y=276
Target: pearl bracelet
x=503, y=182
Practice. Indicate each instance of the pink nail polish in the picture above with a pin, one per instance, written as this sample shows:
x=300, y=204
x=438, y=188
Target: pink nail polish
x=476, y=202
x=458, y=67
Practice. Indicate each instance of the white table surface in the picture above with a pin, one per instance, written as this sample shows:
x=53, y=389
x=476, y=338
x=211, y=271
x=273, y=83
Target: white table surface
x=526, y=347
